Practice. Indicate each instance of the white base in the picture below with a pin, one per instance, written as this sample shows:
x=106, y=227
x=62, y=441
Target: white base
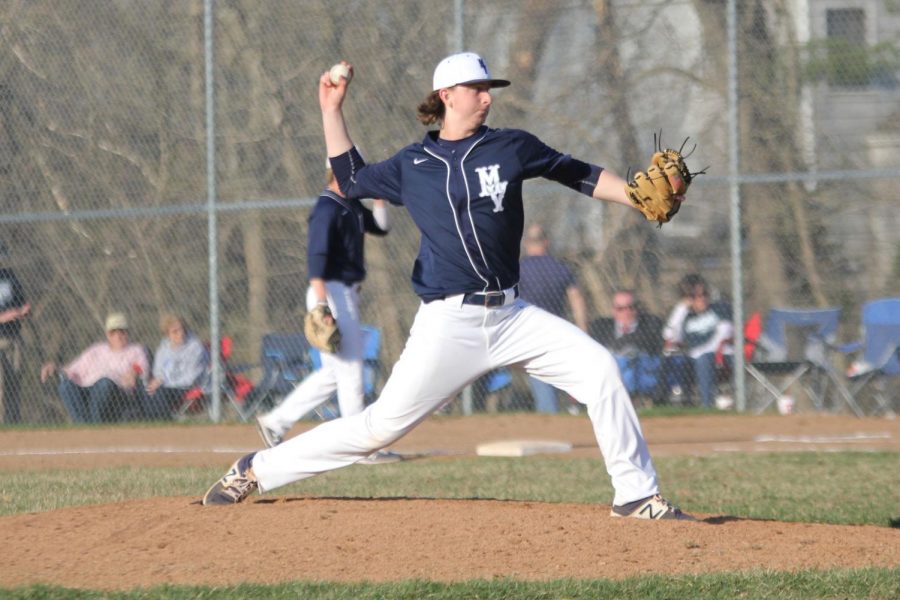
x=522, y=447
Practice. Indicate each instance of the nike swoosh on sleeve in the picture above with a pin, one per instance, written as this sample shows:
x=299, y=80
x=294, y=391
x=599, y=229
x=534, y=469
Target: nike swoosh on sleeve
x=419, y=161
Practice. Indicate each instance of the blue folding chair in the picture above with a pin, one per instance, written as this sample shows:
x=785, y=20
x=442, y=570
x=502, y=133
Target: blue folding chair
x=372, y=368
x=879, y=361
x=795, y=345
x=286, y=359
x=483, y=394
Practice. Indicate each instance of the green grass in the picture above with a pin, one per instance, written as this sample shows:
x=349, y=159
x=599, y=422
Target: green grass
x=855, y=583
x=683, y=411
x=827, y=487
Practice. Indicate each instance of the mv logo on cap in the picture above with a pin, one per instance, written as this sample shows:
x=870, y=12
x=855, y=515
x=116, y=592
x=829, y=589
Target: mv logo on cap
x=491, y=186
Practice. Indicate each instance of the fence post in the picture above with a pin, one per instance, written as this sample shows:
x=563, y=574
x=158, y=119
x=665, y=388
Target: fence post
x=737, y=290
x=215, y=411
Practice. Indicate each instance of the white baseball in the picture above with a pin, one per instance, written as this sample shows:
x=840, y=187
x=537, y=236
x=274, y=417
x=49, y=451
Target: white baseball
x=339, y=70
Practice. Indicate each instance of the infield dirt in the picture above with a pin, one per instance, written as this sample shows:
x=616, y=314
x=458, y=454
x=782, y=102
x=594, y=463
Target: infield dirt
x=276, y=538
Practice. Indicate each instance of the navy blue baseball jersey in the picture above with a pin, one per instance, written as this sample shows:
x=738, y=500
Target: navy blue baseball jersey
x=335, y=242
x=466, y=198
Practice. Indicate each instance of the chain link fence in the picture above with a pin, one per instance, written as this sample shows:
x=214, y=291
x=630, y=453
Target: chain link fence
x=106, y=203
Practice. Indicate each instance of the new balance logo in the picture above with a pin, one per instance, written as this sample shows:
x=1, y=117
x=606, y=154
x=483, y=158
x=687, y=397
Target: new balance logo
x=419, y=161
x=649, y=510
x=491, y=186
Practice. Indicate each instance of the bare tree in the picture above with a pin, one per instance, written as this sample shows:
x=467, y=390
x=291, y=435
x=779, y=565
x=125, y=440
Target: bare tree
x=769, y=96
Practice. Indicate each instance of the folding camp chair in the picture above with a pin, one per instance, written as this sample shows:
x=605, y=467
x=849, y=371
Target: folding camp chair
x=725, y=364
x=236, y=388
x=489, y=390
x=286, y=359
x=794, y=346
x=373, y=373
x=874, y=374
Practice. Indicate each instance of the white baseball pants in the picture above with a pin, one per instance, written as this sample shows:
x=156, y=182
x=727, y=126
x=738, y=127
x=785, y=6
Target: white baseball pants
x=341, y=372
x=450, y=345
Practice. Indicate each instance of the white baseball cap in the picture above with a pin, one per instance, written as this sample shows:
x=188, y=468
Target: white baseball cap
x=116, y=320
x=465, y=67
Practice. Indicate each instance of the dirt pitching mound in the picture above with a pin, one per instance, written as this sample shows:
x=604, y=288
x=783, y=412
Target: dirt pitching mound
x=177, y=541
x=271, y=538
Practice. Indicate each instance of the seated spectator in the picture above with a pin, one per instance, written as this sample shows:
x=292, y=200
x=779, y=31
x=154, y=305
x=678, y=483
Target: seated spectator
x=102, y=382
x=181, y=362
x=701, y=330
x=635, y=339
x=678, y=367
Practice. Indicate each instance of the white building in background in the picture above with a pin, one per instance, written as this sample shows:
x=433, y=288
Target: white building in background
x=856, y=121
x=857, y=107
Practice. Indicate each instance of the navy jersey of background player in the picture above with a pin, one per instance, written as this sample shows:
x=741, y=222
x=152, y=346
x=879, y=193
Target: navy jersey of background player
x=335, y=240
x=544, y=281
x=466, y=198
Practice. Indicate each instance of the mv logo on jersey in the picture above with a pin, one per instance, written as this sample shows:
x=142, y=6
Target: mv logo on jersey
x=491, y=186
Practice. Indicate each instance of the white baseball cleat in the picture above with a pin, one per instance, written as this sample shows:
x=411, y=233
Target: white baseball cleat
x=654, y=508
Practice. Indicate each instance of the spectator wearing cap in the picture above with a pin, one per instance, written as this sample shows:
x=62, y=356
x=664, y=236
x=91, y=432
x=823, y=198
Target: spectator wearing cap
x=102, y=382
x=13, y=308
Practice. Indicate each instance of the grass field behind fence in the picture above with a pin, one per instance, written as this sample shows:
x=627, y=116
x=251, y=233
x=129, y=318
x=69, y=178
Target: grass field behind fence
x=832, y=487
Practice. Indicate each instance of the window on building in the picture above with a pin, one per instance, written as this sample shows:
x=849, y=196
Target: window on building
x=847, y=25
x=849, y=61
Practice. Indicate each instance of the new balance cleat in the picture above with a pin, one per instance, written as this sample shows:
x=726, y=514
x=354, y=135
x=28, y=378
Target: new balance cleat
x=655, y=508
x=268, y=435
x=238, y=483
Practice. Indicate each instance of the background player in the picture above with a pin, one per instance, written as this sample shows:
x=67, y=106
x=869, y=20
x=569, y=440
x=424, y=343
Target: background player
x=462, y=186
x=335, y=267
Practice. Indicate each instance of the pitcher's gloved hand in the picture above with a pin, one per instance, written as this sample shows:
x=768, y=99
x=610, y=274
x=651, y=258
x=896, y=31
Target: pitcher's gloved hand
x=659, y=192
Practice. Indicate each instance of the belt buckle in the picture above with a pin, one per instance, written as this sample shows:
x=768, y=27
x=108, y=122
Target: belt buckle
x=492, y=299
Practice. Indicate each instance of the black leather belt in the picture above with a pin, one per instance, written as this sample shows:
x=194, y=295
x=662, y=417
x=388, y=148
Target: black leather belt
x=489, y=299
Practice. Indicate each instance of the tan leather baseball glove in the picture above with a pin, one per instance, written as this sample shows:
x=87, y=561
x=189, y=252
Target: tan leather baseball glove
x=658, y=192
x=321, y=329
